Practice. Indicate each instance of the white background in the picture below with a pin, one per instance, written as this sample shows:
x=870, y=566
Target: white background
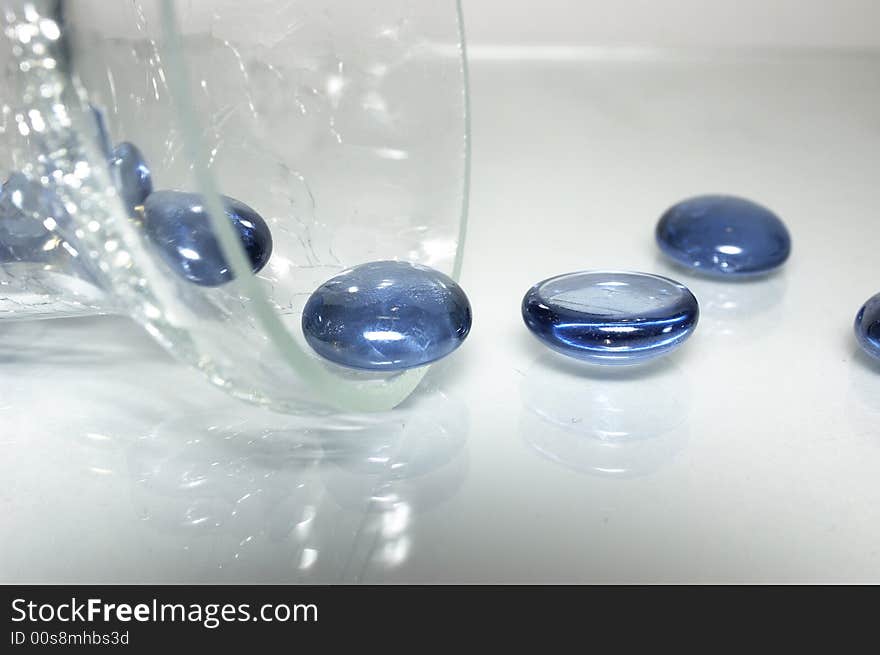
x=752, y=454
x=705, y=23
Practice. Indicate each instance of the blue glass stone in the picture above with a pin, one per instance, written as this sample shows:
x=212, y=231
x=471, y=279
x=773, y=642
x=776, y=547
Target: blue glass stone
x=177, y=223
x=723, y=236
x=867, y=326
x=131, y=175
x=27, y=212
x=610, y=317
x=387, y=316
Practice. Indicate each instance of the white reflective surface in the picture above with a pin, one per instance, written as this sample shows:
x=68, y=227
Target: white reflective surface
x=751, y=454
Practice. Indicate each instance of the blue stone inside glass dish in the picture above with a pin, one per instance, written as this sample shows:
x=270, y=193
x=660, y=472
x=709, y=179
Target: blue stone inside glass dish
x=178, y=224
x=387, y=316
x=611, y=317
x=723, y=236
x=131, y=175
x=867, y=326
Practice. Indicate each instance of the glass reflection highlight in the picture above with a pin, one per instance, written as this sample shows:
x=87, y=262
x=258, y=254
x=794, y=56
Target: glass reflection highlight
x=336, y=498
x=173, y=483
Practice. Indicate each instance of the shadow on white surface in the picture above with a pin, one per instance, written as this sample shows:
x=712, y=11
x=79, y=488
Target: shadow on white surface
x=608, y=421
x=865, y=381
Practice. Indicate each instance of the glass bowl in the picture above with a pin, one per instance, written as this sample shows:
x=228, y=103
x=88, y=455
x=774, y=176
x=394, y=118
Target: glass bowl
x=345, y=125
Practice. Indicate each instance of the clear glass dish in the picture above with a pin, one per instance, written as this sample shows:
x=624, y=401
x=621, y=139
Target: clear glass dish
x=345, y=125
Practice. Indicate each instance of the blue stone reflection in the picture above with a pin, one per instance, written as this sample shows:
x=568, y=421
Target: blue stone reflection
x=387, y=316
x=723, y=236
x=177, y=223
x=610, y=317
x=101, y=131
x=131, y=175
x=867, y=326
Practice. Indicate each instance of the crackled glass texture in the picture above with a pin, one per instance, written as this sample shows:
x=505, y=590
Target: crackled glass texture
x=342, y=124
x=611, y=317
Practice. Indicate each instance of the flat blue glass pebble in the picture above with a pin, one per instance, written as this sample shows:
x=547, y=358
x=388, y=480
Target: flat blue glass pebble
x=387, y=316
x=177, y=223
x=723, y=236
x=867, y=326
x=610, y=317
x=131, y=175
x=27, y=211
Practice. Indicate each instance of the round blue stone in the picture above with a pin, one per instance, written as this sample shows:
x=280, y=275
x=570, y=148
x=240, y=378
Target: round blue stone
x=131, y=175
x=177, y=223
x=387, y=316
x=723, y=236
x=610, y=317
x=867, y=326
